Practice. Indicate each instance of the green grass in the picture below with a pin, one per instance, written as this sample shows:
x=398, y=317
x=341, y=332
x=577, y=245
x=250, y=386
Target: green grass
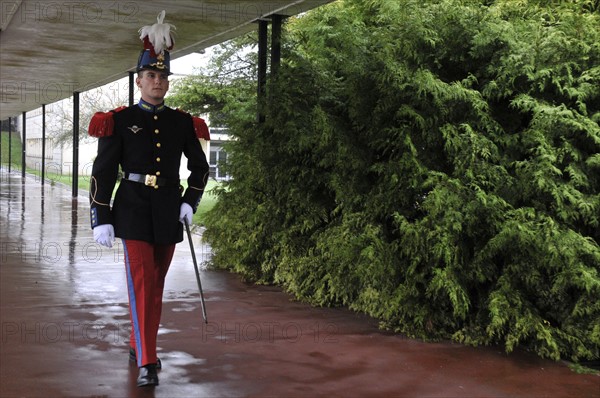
x=208, y=199
x=15, y=150
x=208, y=202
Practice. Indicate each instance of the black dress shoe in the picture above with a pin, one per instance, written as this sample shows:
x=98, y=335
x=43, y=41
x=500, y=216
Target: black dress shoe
x=133, y=358
x=148, y=376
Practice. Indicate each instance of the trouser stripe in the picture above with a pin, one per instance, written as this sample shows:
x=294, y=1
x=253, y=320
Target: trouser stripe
x=133, y=308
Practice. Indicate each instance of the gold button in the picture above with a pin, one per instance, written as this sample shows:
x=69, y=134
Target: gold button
x=158, y=159
x=155, y=117
x=156, y=131
x=158, y=144
x=158, y=173
x=156, y=187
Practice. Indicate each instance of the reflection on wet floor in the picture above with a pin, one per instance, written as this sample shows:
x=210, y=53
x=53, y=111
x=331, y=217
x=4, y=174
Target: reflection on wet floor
x=65, y=328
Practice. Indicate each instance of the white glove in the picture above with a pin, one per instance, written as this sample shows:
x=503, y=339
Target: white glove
x=185, y=211
x=104, y=234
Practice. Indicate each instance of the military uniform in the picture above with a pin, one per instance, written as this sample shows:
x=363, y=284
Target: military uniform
x=147, y=143
x=146, y=140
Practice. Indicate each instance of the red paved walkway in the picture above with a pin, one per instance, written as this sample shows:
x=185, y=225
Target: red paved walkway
x=63, y=313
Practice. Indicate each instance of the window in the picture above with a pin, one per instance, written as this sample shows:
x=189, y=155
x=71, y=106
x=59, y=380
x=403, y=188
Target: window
x=217, y=158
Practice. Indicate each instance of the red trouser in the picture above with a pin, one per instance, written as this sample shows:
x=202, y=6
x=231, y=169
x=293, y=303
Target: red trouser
x=146, y=265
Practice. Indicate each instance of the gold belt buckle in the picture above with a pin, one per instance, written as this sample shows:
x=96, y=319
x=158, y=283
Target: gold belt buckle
x=150, y=180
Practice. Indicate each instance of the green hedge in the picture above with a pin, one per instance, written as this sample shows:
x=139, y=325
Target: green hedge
x=435, y=164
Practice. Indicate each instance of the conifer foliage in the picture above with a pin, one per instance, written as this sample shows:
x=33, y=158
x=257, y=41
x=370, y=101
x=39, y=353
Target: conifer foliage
x=435, y=164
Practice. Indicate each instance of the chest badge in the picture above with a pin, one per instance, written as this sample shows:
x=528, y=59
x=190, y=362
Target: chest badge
x=134, y=128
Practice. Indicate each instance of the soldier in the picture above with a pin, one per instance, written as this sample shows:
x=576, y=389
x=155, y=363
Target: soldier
x=146, y=140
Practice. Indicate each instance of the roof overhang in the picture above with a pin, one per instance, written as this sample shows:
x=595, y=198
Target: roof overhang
x=48, y=50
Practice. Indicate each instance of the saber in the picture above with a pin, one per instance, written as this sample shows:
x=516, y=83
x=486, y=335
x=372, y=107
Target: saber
x=187, y=228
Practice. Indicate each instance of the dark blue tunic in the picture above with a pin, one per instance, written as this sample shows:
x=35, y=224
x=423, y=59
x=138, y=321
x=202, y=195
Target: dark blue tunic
x=149, y=140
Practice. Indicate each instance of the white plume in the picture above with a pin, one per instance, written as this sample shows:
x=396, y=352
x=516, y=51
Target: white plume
x=158, y=34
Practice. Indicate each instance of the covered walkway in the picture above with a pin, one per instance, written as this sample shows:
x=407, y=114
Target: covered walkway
x=65, y=326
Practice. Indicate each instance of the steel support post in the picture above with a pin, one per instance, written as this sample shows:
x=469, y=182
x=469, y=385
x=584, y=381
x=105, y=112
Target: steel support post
x=262, y=66
x=75, y=171
x=23, y=144
x=43, y=171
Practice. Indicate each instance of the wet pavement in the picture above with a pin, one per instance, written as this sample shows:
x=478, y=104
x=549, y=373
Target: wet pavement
x=65, y=327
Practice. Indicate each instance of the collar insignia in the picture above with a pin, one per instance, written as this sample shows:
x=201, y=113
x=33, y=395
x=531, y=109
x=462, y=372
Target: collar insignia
x=134, y=128
x=151, y=108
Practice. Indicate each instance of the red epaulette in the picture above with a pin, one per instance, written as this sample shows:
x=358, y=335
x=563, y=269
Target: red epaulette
x=200, y=126
x=102, y=123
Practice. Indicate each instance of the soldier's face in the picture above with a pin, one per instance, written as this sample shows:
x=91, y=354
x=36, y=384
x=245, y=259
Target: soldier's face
x=153, y=86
